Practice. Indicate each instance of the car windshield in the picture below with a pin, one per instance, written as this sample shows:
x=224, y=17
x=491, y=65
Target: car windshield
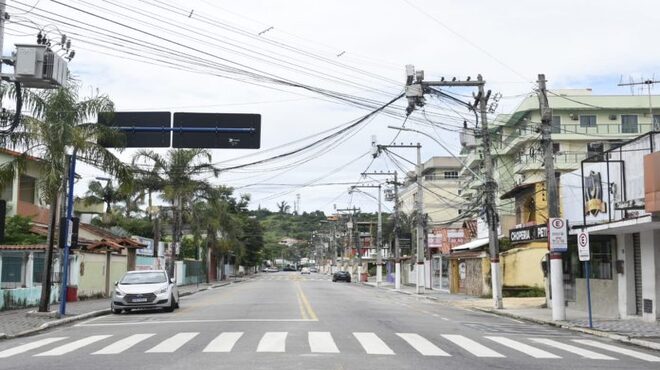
x=144, y=278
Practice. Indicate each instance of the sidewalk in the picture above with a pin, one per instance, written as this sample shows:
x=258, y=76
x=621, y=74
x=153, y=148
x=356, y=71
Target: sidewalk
x=16, y=323
x=633, y=331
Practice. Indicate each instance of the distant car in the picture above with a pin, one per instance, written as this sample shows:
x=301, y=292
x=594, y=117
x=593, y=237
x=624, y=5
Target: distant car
x=313, y=269
x=145, y=289
x=271, y=269
x=304, y=270
x=289, y=268
x=341, y=275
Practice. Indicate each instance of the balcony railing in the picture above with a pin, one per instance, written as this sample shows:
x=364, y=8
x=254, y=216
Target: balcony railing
x=563, y=161
x=603, y=129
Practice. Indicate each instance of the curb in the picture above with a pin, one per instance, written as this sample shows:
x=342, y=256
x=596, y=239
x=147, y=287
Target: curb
x=401, y=291
x=87, y=315
x=603, y=334
x=54, y=323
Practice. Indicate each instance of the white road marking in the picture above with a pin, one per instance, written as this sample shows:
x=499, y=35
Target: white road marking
x=29, y=346
x=623, y=351
x=273, y=342
x=472, y=346
x=522, y=347
x=422, y=345
x=122, y=345
x=372, y=344
x=223, y=342
x=70, y=347
x=444, y=318
x=577, y=350
x=436, y=315
x=321, y=342
x=159, y=322
x=172, y=344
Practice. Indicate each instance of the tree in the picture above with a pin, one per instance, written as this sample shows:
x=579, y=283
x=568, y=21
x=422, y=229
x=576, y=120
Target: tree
x=176, y=176
x=283, y=207
x=58, y=122
x=97, y=193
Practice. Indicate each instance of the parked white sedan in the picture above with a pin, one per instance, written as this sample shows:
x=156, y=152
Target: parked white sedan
x=145, y=289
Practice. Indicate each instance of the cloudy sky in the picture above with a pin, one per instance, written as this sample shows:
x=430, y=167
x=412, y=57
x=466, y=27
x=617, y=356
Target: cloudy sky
x=312, y=67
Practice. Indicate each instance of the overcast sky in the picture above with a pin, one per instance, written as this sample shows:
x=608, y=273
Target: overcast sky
x=123, y=49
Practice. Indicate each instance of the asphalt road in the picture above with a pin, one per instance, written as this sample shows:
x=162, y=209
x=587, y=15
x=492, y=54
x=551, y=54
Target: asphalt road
x=289, y=321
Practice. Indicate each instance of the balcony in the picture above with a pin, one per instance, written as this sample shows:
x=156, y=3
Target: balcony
x=519, y=136
x=564, y=162
x=614, y=129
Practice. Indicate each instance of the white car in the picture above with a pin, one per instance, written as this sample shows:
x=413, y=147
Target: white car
x=304, y=270
x=145, y=289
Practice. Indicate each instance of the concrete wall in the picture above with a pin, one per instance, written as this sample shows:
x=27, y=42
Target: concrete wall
x=650, y=250
x=522, y=266
x=25, y=297
x=93, y=273
x=604, y=297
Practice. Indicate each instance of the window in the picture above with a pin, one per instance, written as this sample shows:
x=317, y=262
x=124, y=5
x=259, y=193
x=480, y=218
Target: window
x=601, y=259
x=588, y=120
x=12, y=268
x=7, y=192
x=656, y=120
x=629, y=123
x=27, y=189
x=595, y=150
x=555, y=127
x=556, y=147
x=38, y=267
x=451, y=174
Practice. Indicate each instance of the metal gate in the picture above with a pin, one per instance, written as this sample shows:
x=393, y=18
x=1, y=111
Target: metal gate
x=637, y=259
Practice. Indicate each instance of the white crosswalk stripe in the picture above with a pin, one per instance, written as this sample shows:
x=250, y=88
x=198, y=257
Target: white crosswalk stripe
x=173, y=343
x=623, y=351
x=122, y=345
x=70, y=347
x=471, y=346
x=321, y=342
x=422, y=345
x=573, y=349
x=273, y=342
x=522, y=347
x=372, y=344
x=29, y=346
x=223, y=342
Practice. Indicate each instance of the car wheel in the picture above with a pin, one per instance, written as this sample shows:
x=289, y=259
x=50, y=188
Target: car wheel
x=172, y=305
x=334, y=280
x=348, y=281
x=116, y=311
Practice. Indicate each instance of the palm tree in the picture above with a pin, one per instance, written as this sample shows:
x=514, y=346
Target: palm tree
x=176, y=176
x=283, y=207
x=58, y=122
x=97, y=193
x=214, y=213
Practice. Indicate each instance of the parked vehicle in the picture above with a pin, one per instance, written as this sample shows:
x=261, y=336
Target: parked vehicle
x=271, y=269
x=289, y=268
x=313, y=269
x=145, y=289
x=341, y=275
x=305, y=270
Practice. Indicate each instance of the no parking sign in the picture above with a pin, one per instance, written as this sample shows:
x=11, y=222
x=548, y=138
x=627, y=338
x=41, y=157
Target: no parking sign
x=557, y=235
x=583, y=246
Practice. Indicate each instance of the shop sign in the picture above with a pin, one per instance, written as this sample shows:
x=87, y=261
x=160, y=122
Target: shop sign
x=529, y=233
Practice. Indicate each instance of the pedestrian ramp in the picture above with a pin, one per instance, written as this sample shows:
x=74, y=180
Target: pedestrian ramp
x=322, y=342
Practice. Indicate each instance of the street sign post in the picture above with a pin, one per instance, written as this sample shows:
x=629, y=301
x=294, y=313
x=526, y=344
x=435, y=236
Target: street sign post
x=557, y=235
x=584, y=254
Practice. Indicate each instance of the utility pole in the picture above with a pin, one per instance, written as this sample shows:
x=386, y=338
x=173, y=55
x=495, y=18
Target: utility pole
x=648, y=83
x=490, y=190
x=416, y=87
x=419, y=208
x=397, y=243
x=556, y=265
x=353, y=238
x=379, y=234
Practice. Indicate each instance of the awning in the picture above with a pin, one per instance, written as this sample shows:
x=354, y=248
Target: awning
x=474, y=244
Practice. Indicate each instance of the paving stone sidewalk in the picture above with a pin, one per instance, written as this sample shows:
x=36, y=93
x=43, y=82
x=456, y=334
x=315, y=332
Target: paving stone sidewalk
x=22, y=321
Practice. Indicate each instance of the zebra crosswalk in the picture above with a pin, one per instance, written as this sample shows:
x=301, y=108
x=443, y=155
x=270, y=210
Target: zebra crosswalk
x=322, y=342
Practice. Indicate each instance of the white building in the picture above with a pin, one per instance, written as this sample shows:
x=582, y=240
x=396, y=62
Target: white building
x=615, y=197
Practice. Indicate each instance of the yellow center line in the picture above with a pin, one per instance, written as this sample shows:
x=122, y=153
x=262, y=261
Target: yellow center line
x=302, y=308
x=305, y=302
